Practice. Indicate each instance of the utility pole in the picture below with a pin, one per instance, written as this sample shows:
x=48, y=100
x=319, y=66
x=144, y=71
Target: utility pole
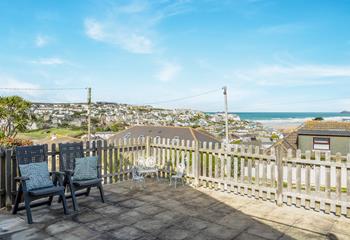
x=89, y=113
x=226, y=114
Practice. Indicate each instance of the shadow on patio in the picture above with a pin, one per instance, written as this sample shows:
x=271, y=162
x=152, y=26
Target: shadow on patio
x=162, y=212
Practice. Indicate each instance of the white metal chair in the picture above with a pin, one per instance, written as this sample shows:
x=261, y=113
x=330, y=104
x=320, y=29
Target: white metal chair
x=137, y=177
x=140, y=162
x=180, y=172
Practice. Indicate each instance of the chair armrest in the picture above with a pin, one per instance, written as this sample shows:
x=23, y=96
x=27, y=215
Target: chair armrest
x=69, y=172
x=57, y=176
x=57, y=173
x=21, y=178
x=99, y=170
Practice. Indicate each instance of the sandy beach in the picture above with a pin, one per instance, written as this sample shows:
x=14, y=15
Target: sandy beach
x=289, y=124
x=283, y=125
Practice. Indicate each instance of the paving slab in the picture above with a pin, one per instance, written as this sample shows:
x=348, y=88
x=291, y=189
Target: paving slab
x=127, y=233
x=149, y=209
x=315, y=223
x=168, y=216
x=131, y=203
x=30, y=234
x=152, y=226
x=174, y=233
x=342, y=227
x=105, y=225
x=193, y=223
x=10, y=224
x=247, y=236
x=84, y=217
x=61, y=226
x=263, y=230
x=236, y=221
x=297, y=233
x=221, y=232
x=111, y=210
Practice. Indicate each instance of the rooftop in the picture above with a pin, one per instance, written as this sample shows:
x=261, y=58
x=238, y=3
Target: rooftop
x=340, y=133
x=326, y=125
x=325, y=128
x=318, y=128
x=162, y=212
x=185, y=133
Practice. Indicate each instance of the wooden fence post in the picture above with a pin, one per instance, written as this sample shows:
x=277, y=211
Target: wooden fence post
x=2, y=178
x=9, y=178
x=196, y=163
x=99, y=154
x=338, y=175
x=279, y=159
x=105, y=171
x=148, y=146
x=348, y=175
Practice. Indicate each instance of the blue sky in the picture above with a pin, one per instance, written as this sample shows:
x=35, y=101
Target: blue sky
x=273, y=55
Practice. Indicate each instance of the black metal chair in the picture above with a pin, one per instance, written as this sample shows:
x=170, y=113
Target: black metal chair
x=68, y=153
x=35, y=154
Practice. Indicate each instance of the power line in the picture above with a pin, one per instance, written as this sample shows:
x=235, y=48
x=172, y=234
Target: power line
x=182, y=98
x=41, y=89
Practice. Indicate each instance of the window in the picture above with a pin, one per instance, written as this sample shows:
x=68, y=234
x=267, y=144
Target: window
x=321, y=143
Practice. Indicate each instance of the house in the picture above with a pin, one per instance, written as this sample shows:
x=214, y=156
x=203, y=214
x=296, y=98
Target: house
x=97, y=136
x=77, y=122
x=56, y=139
x=319, y=135
x=325, y=136
x=175, y=134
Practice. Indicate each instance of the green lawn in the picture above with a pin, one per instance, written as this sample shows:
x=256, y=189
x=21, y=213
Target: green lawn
x=43, y=133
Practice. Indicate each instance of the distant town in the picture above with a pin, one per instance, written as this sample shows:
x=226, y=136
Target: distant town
x=113, y=117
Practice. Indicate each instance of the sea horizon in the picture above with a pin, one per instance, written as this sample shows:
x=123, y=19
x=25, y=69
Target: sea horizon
x=289, y=119
x=288, y=115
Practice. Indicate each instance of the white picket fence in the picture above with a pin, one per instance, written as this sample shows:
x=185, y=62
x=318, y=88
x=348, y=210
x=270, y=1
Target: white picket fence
x=313, y=180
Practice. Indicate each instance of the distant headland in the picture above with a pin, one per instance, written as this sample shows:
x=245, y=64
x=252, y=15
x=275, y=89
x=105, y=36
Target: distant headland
x=345, y=112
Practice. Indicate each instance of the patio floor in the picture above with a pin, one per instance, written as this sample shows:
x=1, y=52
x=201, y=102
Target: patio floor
x=162, y=212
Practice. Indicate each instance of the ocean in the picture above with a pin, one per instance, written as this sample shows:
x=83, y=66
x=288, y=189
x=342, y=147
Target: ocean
x=289, y=119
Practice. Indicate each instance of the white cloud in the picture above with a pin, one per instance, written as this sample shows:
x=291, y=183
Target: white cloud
x=294, y=75
x=41, y=40
x=124, y=37
x=49, y=61
x=168, y=72
x=171, y=8
x=94, y=30
x=132, y=26
x=134, y=7
x=136, y=43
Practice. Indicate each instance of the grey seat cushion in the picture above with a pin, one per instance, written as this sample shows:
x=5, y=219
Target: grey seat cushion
x=47, y=190
x=89, y=182
x=38, y=174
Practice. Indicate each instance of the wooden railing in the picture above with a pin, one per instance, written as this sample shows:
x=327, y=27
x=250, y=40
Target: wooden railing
x=313, y=180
